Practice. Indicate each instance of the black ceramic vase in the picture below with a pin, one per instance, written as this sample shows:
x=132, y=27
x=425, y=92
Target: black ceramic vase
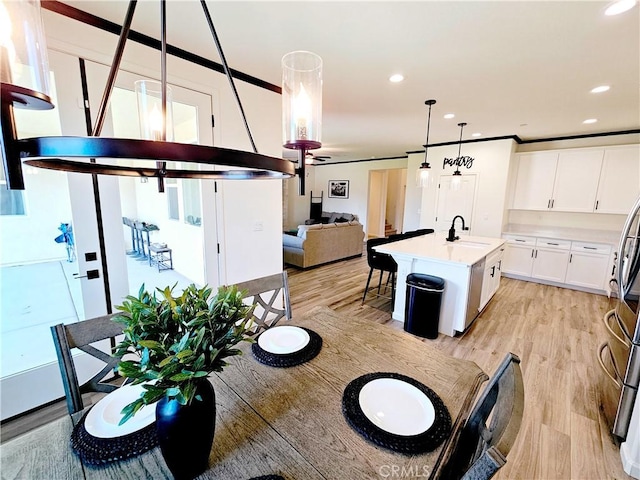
x=185, y=432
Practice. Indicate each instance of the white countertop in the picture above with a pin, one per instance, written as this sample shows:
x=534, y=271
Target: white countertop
x=466, y=251
x=611, y=237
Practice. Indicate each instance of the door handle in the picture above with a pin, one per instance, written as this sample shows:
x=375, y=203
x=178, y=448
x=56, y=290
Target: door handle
x=91, y=274
x=493, y=270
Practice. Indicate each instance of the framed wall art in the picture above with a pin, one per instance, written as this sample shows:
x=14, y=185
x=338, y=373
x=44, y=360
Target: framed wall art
x=338, y=188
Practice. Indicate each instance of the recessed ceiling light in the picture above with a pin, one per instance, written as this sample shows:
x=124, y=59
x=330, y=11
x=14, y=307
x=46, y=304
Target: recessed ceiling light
x=620, y=6
x=396, y=78
x=477, y=134
x=600, y=89
x=590, y=120
x=449, y=115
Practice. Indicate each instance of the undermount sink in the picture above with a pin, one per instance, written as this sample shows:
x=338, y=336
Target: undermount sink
x=467, y=243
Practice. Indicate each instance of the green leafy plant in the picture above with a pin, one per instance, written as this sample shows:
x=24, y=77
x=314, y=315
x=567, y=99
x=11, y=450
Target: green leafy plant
x=178, y=340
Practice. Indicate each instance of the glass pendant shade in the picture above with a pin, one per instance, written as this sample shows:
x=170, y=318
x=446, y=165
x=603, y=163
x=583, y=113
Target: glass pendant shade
x=23, y=49
x=301, y=100
x=456, y=181
x=423, y=176
x=149, y=96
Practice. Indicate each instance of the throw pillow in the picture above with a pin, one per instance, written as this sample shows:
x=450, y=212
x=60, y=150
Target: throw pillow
x=341, y=220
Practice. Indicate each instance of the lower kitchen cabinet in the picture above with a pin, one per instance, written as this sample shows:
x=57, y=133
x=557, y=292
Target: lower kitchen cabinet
x=518, y=255
x=588, y=265
x=550, y=259
x=492, y=274
x=572, y=263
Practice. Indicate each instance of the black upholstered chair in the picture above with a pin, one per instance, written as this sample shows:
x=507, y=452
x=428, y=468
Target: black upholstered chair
x=267, y=293
x=481, y=450
x=382, y=262
x=82, y=335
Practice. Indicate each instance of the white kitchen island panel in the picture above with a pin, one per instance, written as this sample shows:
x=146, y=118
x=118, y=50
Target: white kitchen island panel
x=452, y=261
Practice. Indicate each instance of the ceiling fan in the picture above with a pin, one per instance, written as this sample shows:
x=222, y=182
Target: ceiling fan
x=311, y=158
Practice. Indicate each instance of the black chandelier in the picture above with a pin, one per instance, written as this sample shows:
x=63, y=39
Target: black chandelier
x=26, y=43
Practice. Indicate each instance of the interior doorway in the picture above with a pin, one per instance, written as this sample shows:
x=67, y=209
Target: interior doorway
x=385, y=202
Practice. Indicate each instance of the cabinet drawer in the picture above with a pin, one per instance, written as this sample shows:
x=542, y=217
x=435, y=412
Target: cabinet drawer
x=553, y=243
x=599, y=248
x=520, y=240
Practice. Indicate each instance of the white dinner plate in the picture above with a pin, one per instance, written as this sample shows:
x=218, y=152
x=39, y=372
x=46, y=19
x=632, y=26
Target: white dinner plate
x=396, y=406
x=102, y=420
x=283, y=340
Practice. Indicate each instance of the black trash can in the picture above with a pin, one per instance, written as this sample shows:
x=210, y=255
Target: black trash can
x=422, y=308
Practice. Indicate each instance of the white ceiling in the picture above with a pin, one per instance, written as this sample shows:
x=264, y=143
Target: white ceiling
x=521, y=68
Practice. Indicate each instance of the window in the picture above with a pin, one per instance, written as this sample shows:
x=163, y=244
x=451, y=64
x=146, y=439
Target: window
x=11, y=201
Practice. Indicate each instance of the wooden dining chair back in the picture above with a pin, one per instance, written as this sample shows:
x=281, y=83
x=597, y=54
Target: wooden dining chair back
x=481, y=450
x=270, y=295
x=82, y=335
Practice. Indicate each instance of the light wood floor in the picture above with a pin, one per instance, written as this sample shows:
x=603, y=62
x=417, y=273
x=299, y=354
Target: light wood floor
x=554, y=331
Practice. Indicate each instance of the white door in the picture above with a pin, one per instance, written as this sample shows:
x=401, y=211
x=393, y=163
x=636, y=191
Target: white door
x=186, y=212
x=377, y=203
x=452, y=202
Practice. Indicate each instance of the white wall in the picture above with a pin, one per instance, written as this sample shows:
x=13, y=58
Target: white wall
x=358, y=175
x=491, y=165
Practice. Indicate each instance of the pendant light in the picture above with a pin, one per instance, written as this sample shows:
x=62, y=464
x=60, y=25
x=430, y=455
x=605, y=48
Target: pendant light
x=423, y=176
x=456, y=181
x=301, y=106
x=47, y=152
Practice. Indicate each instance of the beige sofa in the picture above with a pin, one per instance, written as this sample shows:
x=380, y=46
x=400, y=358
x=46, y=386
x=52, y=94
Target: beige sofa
x=323, y=243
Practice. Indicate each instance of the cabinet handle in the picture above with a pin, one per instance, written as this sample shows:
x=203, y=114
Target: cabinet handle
x=536, y=254
x=493, y=270
x=500, y=265
x=550, y=243
x=570, y=257
x=597, y=201
x=549, y=204
x=552, y=202
x=590, y=248
x=532, y=250
x=519, y=240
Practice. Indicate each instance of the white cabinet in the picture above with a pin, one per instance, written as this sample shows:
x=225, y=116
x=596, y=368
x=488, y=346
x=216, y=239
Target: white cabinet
x=589, y=265
x=492, y=274
x=600, y=180
x=551, y=259
x=534, y=181
x=564, y=181
x=580, y=264
x=619, y=184
x=518, y=255
x=576, y=182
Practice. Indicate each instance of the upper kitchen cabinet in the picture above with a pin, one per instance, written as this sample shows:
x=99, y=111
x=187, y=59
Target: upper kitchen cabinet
x=534, y=182
x=576, y=184
x=601, y=180
x=619, y=180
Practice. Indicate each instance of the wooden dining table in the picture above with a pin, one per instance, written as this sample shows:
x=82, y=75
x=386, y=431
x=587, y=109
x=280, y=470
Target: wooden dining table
x=285, y=421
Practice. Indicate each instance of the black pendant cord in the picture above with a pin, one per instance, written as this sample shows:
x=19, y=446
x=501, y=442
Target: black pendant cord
x=162, y=166
x=96, y=197
x=430, y=103
x=227, y=72
x=302, y=154
x=113, y=72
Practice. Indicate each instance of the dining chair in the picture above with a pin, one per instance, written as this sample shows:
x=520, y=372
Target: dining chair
x=270, y=295
x=382, y=262
x=82, y=335
x=481, y=450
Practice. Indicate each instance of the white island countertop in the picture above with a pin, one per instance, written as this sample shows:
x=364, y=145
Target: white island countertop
x=466, y=251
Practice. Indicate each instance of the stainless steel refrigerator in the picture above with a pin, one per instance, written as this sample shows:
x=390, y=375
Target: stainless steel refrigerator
x=620, y=355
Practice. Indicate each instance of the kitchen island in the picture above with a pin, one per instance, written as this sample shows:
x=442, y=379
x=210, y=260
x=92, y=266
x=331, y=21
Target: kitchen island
x=470, y=268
